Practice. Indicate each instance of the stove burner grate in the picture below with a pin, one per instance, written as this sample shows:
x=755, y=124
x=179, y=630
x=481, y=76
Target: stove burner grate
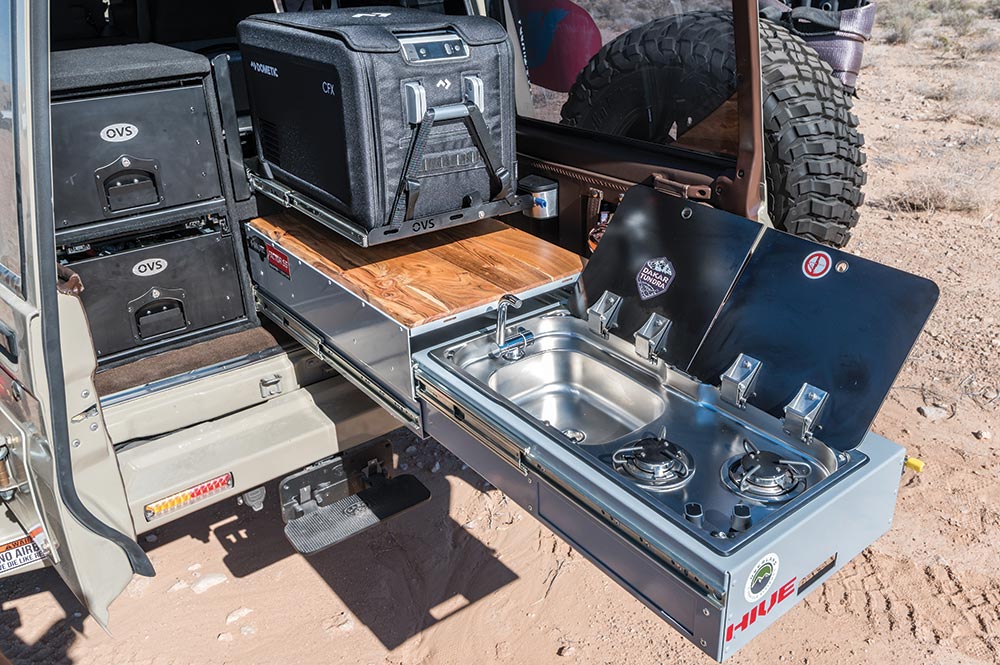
x=654, y=463
x=765, y=476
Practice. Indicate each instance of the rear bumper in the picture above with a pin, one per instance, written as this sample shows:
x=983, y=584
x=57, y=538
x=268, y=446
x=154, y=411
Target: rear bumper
x=255, y=445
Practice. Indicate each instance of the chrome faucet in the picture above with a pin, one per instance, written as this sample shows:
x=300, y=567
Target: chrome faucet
x=513, y=348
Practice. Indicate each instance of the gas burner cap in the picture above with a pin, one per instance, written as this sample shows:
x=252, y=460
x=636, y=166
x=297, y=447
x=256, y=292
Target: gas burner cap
x=764, y=475
x=654, y=463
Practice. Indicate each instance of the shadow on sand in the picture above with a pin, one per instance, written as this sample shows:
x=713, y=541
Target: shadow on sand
x=398, y=578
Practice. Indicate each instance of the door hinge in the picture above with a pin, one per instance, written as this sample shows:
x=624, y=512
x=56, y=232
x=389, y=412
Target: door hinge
x=7, y=484
x=661, y=183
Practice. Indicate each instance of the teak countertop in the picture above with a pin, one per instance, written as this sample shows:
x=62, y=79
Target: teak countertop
x=429, y=277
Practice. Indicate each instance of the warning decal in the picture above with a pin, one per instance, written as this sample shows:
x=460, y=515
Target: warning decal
x=19, y=553
x=279, y=261
x=816, y=265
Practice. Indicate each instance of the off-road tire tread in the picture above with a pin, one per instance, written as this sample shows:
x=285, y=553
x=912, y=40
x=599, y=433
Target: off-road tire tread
x=694, y=45
x=813, y=149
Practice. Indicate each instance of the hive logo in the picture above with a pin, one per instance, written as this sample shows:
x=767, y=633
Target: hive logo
x=761, y=609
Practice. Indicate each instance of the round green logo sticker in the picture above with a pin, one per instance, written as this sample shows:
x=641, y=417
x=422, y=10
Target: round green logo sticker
x=761, y=578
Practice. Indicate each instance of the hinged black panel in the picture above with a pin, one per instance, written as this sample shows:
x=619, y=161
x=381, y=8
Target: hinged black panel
x=654, y=234
x=812, y=314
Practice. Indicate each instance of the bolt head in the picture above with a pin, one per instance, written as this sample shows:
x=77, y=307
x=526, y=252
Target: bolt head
x=93, y=427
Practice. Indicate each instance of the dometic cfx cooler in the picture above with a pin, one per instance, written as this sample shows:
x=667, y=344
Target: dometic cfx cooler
x=387, y=123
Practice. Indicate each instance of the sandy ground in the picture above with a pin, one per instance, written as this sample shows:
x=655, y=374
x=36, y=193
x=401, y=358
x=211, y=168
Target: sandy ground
x=471, y=578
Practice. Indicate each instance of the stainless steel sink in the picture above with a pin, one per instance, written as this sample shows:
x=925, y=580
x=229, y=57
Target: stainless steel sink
x=569, y=380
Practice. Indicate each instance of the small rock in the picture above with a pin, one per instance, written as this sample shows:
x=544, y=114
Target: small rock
x=983, y=435
x=404, y=466
x=225, y=637
x=238, y=614
x=436, y=467
x=194, y=566
x=178, y=585
x=933, y=413
x=248, y=630
x=566, y=651
x=151, y=538
x=207, y=582
x=411, y=450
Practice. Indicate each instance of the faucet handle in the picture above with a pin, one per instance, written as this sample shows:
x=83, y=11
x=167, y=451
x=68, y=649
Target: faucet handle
x=509, y=300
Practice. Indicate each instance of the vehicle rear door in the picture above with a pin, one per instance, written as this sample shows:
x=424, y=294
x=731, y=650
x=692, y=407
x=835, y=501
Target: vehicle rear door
x=59, y=479
x=682, y=113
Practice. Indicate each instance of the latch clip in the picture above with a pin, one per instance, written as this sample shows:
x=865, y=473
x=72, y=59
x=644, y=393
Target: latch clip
x=651, y=338
x=602, y=316
x=736, y=383
x=803, y=412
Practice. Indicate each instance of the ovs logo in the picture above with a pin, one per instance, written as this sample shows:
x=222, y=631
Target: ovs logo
x=149, y=267
x=119, y=132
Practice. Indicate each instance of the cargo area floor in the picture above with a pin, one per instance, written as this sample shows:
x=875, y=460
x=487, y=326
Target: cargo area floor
x=180, y=361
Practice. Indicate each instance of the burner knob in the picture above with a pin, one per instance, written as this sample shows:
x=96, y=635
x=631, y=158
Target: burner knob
x=694, y=513
x=740, y=521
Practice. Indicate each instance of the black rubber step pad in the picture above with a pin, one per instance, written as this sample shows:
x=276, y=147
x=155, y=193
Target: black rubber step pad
x=351, y=515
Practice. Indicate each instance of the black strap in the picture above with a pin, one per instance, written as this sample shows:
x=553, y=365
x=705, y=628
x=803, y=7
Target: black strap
x=804, y=20
x=409, y=183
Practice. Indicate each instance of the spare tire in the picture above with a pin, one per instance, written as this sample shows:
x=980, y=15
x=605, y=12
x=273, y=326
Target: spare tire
x=812, y=148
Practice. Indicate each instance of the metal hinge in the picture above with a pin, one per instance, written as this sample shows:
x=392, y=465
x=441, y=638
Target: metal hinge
x=661, y=183
x=7, y=484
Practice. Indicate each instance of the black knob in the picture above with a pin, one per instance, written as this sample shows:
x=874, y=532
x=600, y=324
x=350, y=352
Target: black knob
x=740, y=521
x=694, y=513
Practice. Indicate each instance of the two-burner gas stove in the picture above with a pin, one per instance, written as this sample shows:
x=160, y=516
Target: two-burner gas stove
x=723, y=493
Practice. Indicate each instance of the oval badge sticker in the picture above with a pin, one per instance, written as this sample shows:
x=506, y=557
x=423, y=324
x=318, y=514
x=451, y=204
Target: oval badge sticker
x=149, y=267
x=119, y=132
x=816, y=265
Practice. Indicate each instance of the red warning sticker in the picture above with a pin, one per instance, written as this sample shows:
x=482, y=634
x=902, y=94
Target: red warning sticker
x=279, y=261
x=816, y=265
x=19, y=552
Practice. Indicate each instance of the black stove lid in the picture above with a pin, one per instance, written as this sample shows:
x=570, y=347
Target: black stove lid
x=848, y=332
x=702, y=248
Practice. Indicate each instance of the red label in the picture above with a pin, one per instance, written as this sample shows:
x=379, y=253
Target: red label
x=816, y=265
x=279, y=261
x=761, y=609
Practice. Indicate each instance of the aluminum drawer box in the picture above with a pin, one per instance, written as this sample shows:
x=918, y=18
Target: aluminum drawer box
x=341, y=318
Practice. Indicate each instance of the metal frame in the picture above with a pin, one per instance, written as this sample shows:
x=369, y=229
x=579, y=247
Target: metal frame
x=290, y=198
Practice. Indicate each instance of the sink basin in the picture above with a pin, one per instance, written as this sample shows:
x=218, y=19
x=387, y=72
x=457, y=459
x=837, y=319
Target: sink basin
x=569, y=380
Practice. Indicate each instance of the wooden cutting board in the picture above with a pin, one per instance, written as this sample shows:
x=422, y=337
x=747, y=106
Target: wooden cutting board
x=430, y=277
